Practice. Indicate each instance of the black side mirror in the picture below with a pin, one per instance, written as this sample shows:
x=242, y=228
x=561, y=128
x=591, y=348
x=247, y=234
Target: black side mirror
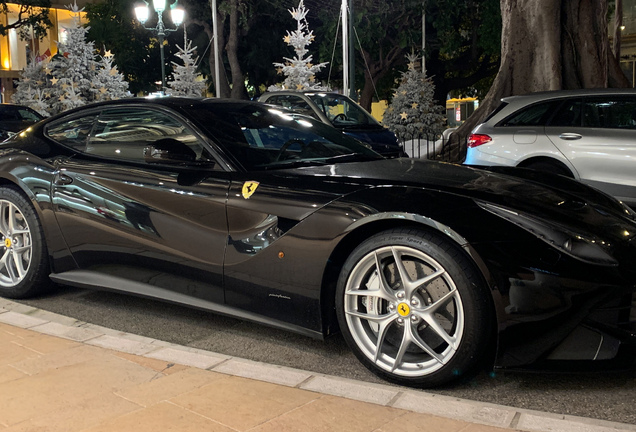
x=168, y=151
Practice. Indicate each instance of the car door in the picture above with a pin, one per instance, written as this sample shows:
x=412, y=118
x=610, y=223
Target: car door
x=123, y=217
x=598, y=135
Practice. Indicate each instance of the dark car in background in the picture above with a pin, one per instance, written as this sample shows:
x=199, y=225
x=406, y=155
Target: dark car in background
x=430, y=270
x=14, y=118
x=342, y=113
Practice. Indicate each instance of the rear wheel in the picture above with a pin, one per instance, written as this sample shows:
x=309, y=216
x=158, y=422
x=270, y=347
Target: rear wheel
x=413, y=309
x=23, y=260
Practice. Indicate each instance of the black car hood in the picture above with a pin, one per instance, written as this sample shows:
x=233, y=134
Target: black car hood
x=549, y=196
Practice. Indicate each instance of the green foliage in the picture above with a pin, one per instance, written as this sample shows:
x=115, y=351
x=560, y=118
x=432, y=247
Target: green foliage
x=114, y=27
x=379, y=26
x=31, y=15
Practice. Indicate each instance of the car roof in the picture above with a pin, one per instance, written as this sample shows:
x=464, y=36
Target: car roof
x=169, y=101
x=556, y=94
x=304, y=92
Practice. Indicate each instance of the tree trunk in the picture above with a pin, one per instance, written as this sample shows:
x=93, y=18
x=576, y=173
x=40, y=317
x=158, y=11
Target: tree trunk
x=548, y=45
x=377, y=69
x=238, y=79
x=618, y=23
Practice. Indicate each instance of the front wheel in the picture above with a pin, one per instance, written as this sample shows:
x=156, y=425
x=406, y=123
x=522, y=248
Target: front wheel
x=23, y=258
x=413, y=309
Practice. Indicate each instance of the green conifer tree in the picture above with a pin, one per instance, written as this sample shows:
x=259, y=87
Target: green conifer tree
x=412, y=112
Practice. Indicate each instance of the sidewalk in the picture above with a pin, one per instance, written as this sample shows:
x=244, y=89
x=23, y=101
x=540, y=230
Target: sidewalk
x=57, y=374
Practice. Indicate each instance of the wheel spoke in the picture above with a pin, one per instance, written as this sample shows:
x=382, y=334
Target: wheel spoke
x=404, y=345
x=375, y=318
x=384, y=285
x=9, y=265
x=384, y=326
x=438, y=329
x=22, y=249
x=404, y=276
x=428, y=279
x=3, y=260
x=4, y=228
x=441, y=301
x=11, y=216
x=420, y=343
x=17, y=263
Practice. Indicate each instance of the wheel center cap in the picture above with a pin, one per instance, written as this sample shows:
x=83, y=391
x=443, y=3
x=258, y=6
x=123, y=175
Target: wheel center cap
x=7, y=242
x=404, y=309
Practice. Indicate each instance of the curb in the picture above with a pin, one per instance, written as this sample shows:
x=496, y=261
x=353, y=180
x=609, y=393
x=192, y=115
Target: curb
x=53, y=324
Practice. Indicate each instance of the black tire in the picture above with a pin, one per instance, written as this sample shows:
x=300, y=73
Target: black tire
x=24, y=266
x=455, y=302
x=550, y=167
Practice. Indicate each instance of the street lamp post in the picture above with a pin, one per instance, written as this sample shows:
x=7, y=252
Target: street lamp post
x=177, y=14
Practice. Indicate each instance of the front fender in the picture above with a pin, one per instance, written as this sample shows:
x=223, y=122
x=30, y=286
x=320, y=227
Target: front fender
x=34, y=177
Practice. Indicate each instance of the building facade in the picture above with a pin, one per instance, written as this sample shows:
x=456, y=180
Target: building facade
x=628, y=41
x=15, y=51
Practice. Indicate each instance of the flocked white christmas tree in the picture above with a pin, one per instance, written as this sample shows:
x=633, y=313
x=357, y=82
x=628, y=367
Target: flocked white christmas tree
x=299, y=71
x=186, y=82
x=72, y=77
x=73, y=69
x=109, y=83
x=33, y=87
x=412, y=112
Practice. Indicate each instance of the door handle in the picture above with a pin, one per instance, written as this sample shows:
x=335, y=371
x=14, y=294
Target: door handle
x=570, y=136
x=62, y=180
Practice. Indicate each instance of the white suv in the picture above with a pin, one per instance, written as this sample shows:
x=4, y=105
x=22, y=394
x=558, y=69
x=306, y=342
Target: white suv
x=589, y=135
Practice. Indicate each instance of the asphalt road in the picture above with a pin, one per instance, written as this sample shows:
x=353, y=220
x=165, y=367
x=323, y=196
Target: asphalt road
x=607, y=396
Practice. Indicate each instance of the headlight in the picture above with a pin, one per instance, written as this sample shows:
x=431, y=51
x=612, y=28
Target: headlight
x=573, y=244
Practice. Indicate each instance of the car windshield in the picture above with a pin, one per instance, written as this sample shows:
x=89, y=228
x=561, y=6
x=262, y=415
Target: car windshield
x=341, y=111
x=260, y=137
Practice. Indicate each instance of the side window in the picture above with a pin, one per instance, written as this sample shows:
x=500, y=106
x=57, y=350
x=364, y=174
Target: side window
x=124, y=133
x=8, y=114
x=534, y=115
x=27, y=115
x=72, y=133
x=274, y=100
x=616, y=113
x=568, y=114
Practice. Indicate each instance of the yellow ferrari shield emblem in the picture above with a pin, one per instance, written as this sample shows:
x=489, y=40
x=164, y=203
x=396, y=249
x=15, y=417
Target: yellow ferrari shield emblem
x=404, y=309
x=249, y=187
x=7, y=242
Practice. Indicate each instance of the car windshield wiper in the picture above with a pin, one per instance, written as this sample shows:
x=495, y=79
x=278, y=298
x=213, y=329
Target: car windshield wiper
x=293, y=163
x=351, y=157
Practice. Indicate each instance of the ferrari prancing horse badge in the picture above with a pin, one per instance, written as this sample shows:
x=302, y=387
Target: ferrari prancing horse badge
x=249, y=187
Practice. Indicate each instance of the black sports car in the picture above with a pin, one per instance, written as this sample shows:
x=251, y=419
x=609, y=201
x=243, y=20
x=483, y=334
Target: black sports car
x=430, y=270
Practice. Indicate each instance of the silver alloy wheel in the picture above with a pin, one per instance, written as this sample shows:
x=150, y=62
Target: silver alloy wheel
x=16, y=245
x=404, y=311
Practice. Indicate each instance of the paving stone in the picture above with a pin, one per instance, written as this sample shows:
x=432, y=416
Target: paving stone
x=373, y=393
x=264, y=372
x=445, y=406
x=122, y=344
x=20, y=320
x=201, y=360
x=68, y=332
